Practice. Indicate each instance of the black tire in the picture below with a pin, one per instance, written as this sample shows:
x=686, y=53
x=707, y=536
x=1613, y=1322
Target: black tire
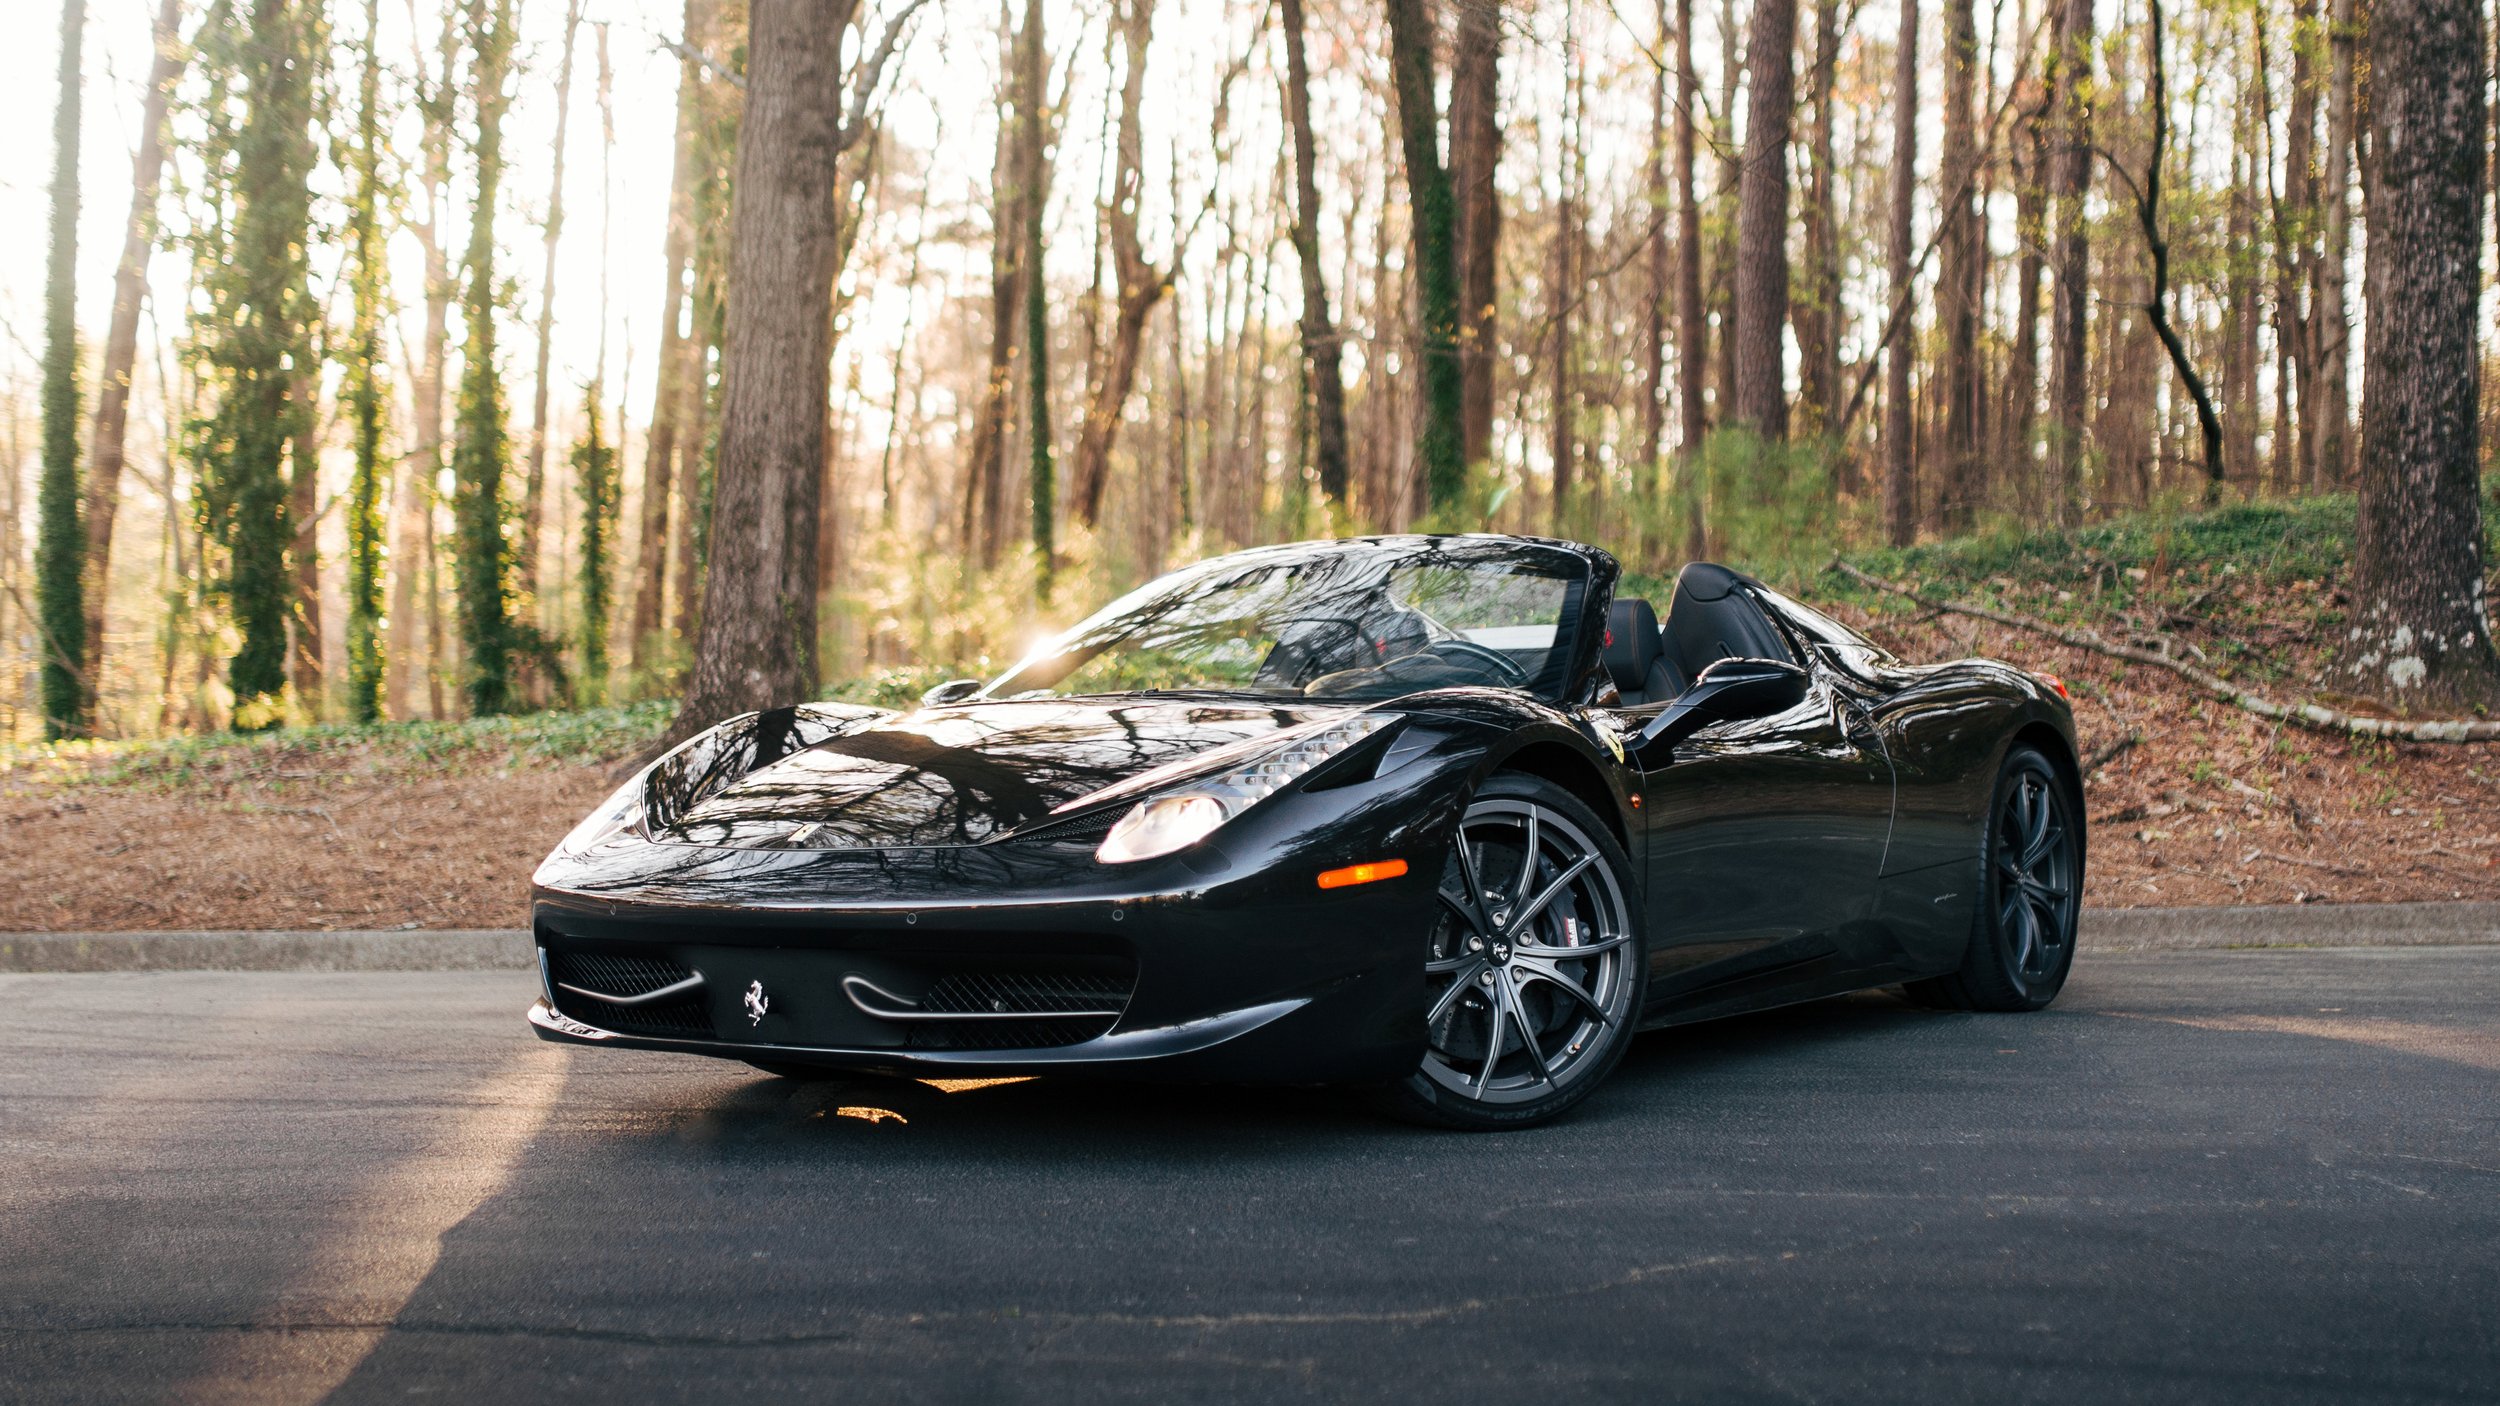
x=2022, y=941
x=1516, y=1032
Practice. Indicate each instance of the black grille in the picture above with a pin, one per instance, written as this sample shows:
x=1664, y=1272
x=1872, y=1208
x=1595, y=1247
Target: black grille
x=1101, y=995
x=687, y=1017
x=998, y=993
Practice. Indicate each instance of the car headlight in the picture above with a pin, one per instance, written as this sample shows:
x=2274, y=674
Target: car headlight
x=1159, y=825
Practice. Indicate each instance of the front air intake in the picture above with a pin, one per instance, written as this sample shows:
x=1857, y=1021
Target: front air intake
x=630, y=994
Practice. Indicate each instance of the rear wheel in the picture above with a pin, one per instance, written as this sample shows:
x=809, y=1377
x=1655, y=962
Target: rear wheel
x=1535, y=967
x=2023, y=939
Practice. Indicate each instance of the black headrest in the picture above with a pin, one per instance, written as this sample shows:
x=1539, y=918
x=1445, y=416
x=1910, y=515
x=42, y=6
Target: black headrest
x=1706, y=580
x=1712, y=618
x=1631, y=642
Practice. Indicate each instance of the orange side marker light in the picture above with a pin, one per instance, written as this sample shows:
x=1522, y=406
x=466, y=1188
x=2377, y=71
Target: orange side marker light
x=1371, y=873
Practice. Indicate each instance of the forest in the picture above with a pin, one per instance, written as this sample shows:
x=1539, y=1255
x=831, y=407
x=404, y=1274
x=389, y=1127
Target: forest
x=943, y=324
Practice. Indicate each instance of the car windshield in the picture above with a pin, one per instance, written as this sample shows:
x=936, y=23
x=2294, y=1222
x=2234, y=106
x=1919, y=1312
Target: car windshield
x=1354, y=620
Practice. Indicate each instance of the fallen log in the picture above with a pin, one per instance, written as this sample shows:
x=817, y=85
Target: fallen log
x=2311, y=715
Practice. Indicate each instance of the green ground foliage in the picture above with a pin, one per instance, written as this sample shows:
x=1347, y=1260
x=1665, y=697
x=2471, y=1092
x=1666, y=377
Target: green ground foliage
x=587, y=737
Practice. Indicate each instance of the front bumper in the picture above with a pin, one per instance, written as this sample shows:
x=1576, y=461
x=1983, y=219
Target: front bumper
x=1225, y=963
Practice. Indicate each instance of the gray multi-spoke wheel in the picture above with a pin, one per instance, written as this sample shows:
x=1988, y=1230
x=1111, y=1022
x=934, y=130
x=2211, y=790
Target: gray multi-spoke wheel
x=1534, y=969
x=2023, y=940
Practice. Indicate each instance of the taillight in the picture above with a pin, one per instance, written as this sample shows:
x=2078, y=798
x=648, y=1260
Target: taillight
x=2057, y=683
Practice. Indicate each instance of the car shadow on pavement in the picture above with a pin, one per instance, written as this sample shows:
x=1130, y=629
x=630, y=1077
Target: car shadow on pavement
x=1085, y=1118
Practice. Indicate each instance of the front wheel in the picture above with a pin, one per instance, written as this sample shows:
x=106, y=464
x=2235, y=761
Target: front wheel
x=2023, y=939
x=1535, y=967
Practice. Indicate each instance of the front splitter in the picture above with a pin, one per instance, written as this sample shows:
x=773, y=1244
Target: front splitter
x=1170, y=1049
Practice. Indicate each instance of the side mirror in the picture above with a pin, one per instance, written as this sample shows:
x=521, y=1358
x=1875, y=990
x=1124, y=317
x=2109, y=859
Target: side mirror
x=951, y=691
x=1728, y=691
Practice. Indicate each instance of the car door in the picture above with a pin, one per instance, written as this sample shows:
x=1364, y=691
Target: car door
x=1765, y=837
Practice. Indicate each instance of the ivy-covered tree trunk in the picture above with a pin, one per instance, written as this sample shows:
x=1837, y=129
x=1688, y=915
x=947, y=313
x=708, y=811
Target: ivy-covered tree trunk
x=2419, y=632
x=121, y=339
x=482, y=560
x=1433, y=217
x=367, y=272
x=1041, y=477
x=59, y=547
x=254, y=335
x=595, y=479
x=757, y=645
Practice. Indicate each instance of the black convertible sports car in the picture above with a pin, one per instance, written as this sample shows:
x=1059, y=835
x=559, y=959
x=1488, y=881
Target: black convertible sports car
x=1442, y=816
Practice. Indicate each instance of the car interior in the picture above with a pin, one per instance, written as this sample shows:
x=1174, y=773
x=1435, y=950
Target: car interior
x=1709, y=618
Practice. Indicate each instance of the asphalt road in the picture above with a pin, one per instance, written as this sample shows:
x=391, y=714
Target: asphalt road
x=2204, y=1176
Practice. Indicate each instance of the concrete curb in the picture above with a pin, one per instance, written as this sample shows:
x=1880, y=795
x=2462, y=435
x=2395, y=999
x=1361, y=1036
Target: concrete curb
x=472, y=950
x=2290, y=925
x=510, y=949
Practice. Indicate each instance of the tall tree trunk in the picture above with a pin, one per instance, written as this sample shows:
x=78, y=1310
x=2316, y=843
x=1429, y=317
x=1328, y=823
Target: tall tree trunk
x=482, y=564
x=694, y=454
x=534, y=486
x=1959, y=484
x=1430, y=213
x=364, y=389
x=985, y=470
x=304, y=661
x=2243, y=311
x=1762, y=222
x=1566, y=283
x=121, y=341
x=1692, y=316
x=2022, y=378
x=757, y=644
x=1660, y=255
x=61, y=621
x=2331, y=420
x=1139, y=285
x=2420, y=636
x=1817, y=315
x=1322, y=348
x=1032, y=134
x=1900, y=415
x=1475, y=149
x=2295, y=233
x=2157, y=244
x=420, y=475
x=659, y=446
x=1724, y=198
x=258, y=325
x=2070, y=181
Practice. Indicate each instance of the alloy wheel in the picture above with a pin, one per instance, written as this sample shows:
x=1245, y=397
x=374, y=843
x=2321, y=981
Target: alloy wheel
x=1529, y=981
x=2036, y=876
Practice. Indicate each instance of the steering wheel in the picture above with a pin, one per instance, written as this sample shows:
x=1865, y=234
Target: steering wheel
x=1509, y=668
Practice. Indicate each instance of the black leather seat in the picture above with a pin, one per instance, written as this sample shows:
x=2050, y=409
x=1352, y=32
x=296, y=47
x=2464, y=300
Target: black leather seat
x=1635, y=657
x=1710, y=618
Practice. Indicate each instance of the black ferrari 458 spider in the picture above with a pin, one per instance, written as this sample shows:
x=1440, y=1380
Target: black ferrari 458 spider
x=1446, y=817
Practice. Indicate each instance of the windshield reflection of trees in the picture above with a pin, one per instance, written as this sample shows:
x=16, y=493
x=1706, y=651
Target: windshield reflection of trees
x=1341, y=620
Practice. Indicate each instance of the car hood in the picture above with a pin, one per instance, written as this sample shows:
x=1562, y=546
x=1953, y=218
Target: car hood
x=966, y=775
